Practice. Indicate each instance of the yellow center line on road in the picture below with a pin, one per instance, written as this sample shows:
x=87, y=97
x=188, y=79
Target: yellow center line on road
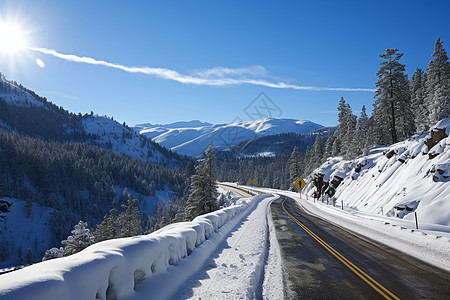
x=369, y=280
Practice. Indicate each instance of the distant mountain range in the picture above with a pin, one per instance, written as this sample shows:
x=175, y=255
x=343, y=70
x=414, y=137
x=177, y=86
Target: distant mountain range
x=193, y=137
x=277, y=144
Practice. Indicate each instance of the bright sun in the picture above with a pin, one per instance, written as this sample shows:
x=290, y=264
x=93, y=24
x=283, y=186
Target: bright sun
x=11, y=38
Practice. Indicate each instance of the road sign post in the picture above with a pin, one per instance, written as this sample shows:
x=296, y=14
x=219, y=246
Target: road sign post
x=300, y=184
x=417, y=223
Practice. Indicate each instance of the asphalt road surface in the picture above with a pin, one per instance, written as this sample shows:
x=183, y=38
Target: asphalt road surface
x=237, y=190
x=323, y=261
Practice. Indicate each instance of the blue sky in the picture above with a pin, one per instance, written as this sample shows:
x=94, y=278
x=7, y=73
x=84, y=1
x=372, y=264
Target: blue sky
x=325, y=44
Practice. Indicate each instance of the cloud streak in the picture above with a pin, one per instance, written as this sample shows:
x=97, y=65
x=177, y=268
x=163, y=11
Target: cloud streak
x=218, y=76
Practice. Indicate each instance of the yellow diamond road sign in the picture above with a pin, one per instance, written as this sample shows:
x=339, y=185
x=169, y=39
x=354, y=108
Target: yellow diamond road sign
x=255, y=181
x=300, y=183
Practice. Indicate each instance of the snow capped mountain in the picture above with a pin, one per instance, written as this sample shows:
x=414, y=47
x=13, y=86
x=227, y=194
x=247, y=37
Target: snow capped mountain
x=180, y=124
x=121, y=139
x=24, y=111
x=398, y=180
x=278, y=144
x=11, y=92
x=197, y=136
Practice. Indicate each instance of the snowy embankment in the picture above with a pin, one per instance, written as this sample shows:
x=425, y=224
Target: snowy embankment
x=152, y=266
x=397, y=181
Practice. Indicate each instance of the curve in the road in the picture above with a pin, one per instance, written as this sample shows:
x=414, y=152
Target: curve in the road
x=319, y=269
x=361, y=274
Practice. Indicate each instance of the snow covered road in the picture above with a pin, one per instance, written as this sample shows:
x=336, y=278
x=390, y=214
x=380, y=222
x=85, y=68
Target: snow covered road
x=235, y=270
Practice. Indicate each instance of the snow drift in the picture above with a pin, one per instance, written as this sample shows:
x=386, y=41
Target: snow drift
x=115, y=268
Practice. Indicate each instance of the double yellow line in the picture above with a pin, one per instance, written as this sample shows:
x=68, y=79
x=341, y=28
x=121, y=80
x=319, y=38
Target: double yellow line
x=369, y=280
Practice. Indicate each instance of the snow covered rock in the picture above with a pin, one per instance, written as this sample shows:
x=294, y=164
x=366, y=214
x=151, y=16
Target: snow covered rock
x=437, y=138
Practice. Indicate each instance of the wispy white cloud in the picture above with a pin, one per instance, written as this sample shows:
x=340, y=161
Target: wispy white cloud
x=223, y=72
x=218, y=76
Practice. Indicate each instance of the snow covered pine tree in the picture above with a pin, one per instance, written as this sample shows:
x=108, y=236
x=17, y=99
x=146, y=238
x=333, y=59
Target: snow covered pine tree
x=81, y=238
x=392, y=107
x=203, y=195
x=421, y=113
x=294, y=165
x=438, y=85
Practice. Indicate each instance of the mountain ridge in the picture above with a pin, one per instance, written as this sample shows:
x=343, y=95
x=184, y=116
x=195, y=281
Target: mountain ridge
x=24, y=111
x=192, y=141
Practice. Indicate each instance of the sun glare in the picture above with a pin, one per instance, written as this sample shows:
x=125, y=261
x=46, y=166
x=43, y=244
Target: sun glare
x=11, y=38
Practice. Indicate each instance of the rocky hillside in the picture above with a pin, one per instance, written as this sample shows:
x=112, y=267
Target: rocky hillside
x=407, y=177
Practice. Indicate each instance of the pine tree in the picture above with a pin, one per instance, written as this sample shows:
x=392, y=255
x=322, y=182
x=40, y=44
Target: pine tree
x=294, y=165
x=53, y=253
x=329, y=144
x=362, y=135
x=392, y=108
x=309, y=161
x=336, y=146
x=109, y=228
x=29, y=256
x=203, y=194
x=420, y=111
x=344, y=142
x=349, y=149
x=28, y=207
x=130, y=220
x=180, y=216
x=438, y=84
x=125, y=196
x=318, y=149
x=81, y=238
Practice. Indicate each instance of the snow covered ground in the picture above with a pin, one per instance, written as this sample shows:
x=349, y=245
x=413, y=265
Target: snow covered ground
x=229, y=254
x=380, y=194
x=397, y=181
x=121, y=139
x=184, y=260
x=19, y=232
x=16, y=95
x=233, y=253
x=238, y=263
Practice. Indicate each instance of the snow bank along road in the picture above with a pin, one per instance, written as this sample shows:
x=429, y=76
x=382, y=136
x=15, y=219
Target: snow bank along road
x=221, y=255
x=323, y=260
